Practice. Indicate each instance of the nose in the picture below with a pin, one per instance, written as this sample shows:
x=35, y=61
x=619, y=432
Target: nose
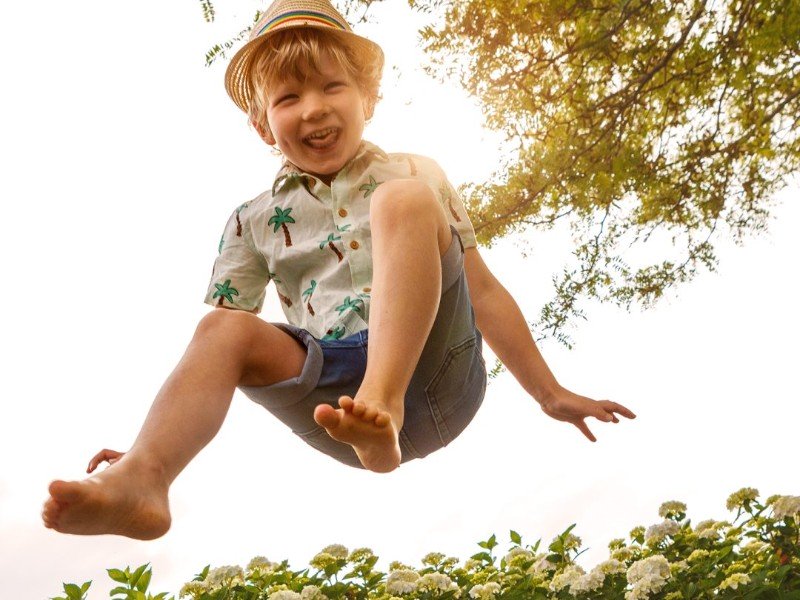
x=315, y=107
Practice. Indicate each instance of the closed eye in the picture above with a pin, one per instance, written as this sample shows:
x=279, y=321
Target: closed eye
x=334, y=86
x=285, y=98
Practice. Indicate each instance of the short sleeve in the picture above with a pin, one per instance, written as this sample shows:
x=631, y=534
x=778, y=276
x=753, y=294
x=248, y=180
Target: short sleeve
x=453, y=205
x=241, y=273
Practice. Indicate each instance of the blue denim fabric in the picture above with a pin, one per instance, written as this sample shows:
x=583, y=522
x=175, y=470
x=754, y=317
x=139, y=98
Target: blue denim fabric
x=444, y=394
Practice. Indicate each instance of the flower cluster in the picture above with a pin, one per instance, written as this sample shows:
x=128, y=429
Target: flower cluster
x=756, y=555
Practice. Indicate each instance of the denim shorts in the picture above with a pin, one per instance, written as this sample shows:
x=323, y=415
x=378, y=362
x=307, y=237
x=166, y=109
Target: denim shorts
x=445, y=392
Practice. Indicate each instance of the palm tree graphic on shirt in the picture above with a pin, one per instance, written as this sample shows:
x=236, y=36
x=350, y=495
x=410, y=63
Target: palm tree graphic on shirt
x=225, y=292
x=334, y=334
x=355, y=304
x=329, y=242
x=285, y=299
x=445, y=193
x=370, y=187
x=307, y=296
x=279, y=220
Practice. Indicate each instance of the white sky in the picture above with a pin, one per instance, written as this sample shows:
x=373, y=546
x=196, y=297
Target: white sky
x=122, y=157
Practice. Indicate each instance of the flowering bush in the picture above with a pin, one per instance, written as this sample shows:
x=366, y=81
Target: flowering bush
x=753, y=557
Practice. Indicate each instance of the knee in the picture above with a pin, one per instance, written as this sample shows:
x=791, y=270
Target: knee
x=404, y=201
x=226, y=324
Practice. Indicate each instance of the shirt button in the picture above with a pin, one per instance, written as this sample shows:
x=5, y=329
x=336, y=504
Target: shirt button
x=368, y=289
x=354, y=245
x=342, y=212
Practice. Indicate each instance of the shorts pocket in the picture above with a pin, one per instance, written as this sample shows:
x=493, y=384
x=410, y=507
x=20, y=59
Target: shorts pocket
x=456, y=390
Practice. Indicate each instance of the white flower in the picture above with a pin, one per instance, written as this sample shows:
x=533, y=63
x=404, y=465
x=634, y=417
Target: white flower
x=611, y=566
x=193, y=588
x=402, y=581
x=647, y=576
x=738, y=499
x=541, y=564
x=312, y=592
x=335, y=550
x=487, y=591
x=224, y=576
x=436, y=581
x=520, y=554
x=284, y=595
x=361, y=554
x=656, y=533
x=671, y=508
x=734, y=581
x=697, y=555
x=703, y=525
x=786, y=506
x=471, y=564
x=586, y=583
x=623, y=554
x=755, y=546
x=677, y=567
x=566, y=578
x=260, y=563
x=708, y=534
x=572, y=542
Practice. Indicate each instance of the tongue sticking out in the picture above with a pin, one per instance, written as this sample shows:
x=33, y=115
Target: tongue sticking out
x=323, y=139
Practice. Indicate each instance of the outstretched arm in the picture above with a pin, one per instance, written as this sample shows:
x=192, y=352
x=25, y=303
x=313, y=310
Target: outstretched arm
x=505, y=330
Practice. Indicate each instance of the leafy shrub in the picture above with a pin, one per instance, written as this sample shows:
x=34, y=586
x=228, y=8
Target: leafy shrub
x=753, y=557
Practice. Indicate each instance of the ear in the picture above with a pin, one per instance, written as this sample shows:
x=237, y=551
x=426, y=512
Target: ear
x=265, y=133
x=369, y=108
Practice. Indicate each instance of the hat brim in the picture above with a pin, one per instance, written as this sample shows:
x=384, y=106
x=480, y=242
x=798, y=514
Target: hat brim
x=236, y=73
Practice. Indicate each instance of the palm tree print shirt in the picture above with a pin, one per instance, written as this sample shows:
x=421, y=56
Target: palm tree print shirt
x=313, y=241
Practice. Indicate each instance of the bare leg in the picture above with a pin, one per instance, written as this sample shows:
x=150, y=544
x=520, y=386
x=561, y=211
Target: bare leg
x=130, y=497
x=410, y=232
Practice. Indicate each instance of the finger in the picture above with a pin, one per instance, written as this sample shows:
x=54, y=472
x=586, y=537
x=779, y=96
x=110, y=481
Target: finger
x=617, y=408
x=585, y=430
x=105, y=455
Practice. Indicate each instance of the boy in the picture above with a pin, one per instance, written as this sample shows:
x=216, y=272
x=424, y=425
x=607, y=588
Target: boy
x=375, y=263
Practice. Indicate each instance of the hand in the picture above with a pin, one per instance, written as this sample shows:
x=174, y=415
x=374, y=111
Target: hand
x=105, y=455
x=564, y=405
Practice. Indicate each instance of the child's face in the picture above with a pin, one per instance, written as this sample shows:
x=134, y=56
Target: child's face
x=317, y=123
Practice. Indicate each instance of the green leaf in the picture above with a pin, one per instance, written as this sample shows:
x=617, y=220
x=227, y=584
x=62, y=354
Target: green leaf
x=144, y=581
x=555, y=558
x=86, y=585
x=515, y=537
x=73, y=591
x=119, y=590
x=484, y=556
x=137, y=574
x=117, y=575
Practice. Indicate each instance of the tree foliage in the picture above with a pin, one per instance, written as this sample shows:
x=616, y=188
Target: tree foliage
x=669, y=123
x=653, y=128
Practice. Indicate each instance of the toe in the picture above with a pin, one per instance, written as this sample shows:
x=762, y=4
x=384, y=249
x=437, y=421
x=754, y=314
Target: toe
x=326, y=416
x=369, y=414
x=383, y=419
x=64, y=491
x=346, y=403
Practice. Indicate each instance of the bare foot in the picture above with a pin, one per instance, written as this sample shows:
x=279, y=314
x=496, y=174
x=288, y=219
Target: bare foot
x=369, y=428
x=128, y=499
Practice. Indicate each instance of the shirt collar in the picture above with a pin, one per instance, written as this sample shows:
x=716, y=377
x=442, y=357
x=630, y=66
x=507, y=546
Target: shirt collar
x=291, y=174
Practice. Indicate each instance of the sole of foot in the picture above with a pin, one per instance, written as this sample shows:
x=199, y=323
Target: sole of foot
x=368, y=429
x=112, y=502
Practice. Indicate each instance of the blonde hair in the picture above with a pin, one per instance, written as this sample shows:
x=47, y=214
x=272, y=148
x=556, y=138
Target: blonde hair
x=297, y=52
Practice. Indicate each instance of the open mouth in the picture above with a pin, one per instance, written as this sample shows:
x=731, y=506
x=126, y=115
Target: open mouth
x=322, y=139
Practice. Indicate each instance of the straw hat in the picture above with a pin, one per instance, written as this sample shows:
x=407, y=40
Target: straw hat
x=285, y=14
